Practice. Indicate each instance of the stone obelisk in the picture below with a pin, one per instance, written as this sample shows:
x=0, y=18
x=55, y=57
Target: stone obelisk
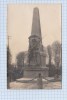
x=36, y=53
x=36, y=49
x=36, y=28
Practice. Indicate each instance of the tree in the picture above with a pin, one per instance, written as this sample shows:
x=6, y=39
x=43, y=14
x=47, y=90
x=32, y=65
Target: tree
x=9, y=57
x=20, y=60
x=8, y=66
x=56, y=47
x=49, y=51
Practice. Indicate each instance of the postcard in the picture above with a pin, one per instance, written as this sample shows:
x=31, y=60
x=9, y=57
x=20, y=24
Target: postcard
x=34, y=46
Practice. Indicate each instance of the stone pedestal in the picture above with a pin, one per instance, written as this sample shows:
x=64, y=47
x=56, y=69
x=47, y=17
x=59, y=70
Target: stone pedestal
x=31, y=72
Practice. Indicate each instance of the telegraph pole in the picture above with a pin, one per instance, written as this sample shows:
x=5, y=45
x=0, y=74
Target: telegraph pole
x=8, y=40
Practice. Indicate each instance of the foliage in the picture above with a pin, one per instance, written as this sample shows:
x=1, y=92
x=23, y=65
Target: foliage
x=20, y=59
x=56, y=47
x=49, y=50
x=9, y=57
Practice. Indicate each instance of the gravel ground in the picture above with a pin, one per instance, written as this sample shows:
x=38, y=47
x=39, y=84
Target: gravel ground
x=33, y=85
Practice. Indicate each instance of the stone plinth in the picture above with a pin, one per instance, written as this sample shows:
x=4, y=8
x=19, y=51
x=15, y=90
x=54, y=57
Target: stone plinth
x=31, y=72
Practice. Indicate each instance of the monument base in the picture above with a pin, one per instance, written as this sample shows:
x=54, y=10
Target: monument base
x=30, y=72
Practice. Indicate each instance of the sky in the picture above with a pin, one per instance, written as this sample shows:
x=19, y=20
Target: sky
x=19, y=24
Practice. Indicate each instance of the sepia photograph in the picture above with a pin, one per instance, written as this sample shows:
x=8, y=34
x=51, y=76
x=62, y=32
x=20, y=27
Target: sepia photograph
x=34, y=46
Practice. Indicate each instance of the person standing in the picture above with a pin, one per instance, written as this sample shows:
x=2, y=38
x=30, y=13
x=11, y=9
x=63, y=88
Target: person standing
x=39, y=81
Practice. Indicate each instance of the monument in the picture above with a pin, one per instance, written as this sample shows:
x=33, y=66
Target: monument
x=36, y=52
